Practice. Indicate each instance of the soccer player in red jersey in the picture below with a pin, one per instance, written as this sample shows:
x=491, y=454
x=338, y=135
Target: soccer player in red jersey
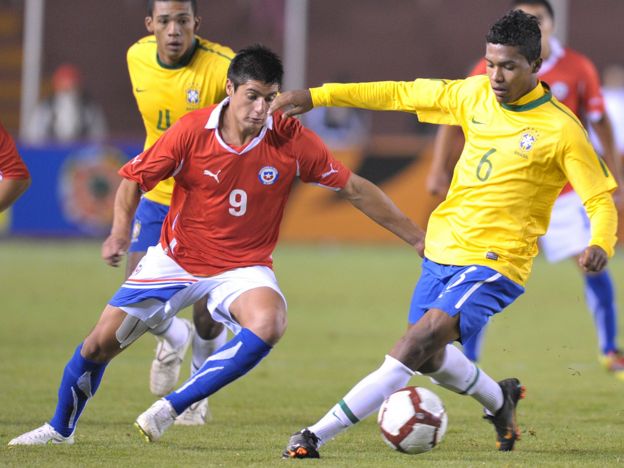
x=573, y=79
x=14, y=176
x=234, y=167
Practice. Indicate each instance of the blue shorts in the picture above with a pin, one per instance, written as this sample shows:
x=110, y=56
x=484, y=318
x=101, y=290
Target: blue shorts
x=475, y=291
x=148, y=221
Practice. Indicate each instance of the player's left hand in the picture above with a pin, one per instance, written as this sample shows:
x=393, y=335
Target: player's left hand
x=114, y=248
x=593, y=259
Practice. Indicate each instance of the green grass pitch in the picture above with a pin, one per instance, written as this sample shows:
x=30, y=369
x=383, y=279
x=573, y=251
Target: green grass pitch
x=347, y=306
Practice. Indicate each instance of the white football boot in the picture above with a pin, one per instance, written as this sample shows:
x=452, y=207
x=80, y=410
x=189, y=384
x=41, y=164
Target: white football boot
x=195, y=415
x=165, y=369
x=43, y=435
x=153, y=423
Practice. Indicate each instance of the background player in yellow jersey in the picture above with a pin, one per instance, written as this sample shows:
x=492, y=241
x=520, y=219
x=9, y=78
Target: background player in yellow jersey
x=173, y=72
x=522, y=145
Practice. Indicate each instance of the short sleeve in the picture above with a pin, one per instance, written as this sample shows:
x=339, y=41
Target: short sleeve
x=162, y=160
x=11, y=164
x=316, y=164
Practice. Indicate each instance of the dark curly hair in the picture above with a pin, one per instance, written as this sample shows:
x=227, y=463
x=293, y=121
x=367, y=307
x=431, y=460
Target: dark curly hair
x=520, y=30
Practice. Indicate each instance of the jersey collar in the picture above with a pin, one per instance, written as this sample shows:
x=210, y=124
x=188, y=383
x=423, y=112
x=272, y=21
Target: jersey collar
x=184, y=61
x=556, y=52
x=213, y=124
x=534, y=98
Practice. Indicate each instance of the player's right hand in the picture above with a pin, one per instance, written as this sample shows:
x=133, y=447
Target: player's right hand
x=114, y=249
x=292, y=102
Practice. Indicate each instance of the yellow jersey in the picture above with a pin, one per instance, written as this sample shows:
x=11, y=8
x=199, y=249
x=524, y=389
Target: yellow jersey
x=165, y=93
x=516, y=160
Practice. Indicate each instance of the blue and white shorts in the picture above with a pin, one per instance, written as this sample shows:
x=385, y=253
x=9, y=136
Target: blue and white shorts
x=148, y=221
x=475, y=292
x=569, y=231
x=159, y=288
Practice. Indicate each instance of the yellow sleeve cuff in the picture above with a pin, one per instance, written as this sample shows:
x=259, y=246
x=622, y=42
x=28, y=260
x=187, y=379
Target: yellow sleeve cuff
x=604, y=220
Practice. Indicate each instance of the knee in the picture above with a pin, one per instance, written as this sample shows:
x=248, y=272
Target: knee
x=270, y=327
x=95, y=349
x=274, y=328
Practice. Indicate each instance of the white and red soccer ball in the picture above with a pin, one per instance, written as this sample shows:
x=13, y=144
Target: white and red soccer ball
x=412, y=420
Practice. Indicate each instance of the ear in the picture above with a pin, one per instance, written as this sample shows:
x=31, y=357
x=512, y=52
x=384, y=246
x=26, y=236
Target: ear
x=149, y=24
x=537, y=65
x=197, y=23
x=229, y=87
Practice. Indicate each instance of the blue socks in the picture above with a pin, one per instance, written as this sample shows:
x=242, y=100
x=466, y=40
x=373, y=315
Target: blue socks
x=81, y=379
x=233, y=360
x=600, y=297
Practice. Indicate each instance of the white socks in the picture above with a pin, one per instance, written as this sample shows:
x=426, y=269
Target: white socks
x=457, y=373
x=176, y=334
x=460, y=375
x=363, y=399
x=203, y=349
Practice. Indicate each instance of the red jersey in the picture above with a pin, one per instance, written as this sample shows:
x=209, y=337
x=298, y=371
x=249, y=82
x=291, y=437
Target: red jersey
x=227, y=204
x=11, y=165
x=573, y=79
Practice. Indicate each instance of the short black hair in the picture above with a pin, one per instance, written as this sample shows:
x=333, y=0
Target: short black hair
x=258, y=63
x=518, y=29
x=545, y=3
x=150, y=5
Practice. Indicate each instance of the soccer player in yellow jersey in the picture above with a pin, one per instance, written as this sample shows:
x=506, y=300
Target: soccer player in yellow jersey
x=522, y=146
x=574, y=82
x=173, y=71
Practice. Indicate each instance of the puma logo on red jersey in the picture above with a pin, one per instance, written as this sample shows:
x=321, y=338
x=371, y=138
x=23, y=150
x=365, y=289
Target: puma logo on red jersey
x=212, y=174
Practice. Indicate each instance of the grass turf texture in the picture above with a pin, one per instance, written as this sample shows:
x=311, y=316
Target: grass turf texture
x=347, y=306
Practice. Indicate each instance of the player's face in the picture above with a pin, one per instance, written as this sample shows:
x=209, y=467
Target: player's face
x=250, y=102
x=510, y=73
x=174, y=26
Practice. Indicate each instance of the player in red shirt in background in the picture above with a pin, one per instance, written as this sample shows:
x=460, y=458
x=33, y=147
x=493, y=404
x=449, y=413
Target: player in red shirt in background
x=573, y=79
x=234, y=168
x=14, y=176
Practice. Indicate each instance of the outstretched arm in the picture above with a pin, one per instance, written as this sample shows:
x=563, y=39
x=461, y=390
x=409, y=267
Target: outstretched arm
x=11, y=190
x=374, y=203
x=116, y=244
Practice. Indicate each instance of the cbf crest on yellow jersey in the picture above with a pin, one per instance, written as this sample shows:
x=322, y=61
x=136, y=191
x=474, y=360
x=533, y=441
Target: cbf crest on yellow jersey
x=516, y=160
x=165, y=93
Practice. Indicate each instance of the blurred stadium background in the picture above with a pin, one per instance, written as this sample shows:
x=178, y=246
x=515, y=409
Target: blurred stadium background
x=320, y=40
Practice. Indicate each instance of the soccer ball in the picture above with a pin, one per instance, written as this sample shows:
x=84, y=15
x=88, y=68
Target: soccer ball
x=412, y=420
